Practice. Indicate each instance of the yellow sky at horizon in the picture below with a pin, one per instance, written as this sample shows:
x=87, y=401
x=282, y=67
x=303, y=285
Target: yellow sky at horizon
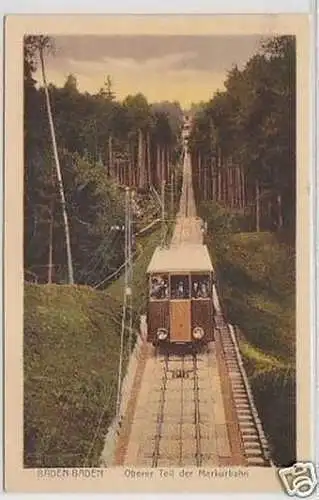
x=186, y=69
x=186, y=88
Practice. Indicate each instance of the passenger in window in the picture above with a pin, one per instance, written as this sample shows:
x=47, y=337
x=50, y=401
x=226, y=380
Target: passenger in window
x=180, y=292
x=164, y=288
x=154, y=288
x=196, y=291
x=204, y=290
x=157, y=288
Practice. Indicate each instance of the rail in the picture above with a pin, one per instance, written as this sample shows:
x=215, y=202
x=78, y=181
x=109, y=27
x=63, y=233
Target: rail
x=260, y=431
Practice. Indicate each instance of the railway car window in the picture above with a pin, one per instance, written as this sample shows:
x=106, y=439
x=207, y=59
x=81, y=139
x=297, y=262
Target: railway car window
x=179, y=287
x=201, y=287
x=159, y=287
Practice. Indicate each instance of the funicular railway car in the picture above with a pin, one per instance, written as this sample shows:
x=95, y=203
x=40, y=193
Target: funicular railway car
x=180, y=307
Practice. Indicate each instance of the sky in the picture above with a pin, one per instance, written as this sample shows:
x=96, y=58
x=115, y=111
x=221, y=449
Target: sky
x=188, y=69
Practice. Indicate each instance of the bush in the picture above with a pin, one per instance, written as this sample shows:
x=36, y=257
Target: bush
x=222, y=220
x=275, y=382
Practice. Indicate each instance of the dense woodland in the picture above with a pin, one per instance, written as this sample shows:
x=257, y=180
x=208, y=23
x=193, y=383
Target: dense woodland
x=244, y=141
x=103, y=144
x=242, y=144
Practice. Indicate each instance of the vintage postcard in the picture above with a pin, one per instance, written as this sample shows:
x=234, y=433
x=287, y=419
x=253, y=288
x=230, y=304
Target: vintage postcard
x=157, y=321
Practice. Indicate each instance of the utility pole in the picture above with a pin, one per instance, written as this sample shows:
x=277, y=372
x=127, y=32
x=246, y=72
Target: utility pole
x=130, y=272
x=172, y=194
x=124, y=310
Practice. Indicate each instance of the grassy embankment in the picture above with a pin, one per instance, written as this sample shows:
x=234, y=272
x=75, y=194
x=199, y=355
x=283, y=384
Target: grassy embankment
x=256, y=276
x=71, y=352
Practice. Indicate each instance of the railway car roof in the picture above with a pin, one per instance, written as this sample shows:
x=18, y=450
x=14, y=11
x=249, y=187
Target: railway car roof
x=181, y=258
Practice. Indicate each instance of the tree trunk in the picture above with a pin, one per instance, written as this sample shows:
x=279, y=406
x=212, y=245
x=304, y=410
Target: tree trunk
x=257, y=206
x=225, y=185
x=214, y=180
x=59, y=175
x=269, y=214
x=234, y=186
x=243, y=188
x=149, y=173
x=132, y=165
x=110, y=151
x=140, y=160
x=118, y=171
x=238, y=188
x=280, y=217
x=172, y=193
x=158, y=165
x=163, y=178
x=211, y=178
x=229, y=185
x=205, y=179
x=200, y=174
x=219, y=198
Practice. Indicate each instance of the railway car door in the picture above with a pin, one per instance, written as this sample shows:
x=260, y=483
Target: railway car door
x=180, y=309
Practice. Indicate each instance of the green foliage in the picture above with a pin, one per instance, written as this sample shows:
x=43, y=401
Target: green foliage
x=256, y=280
x=69, y=332
x=71, y=353
x=222, y=220
x=94, y=205
x=252, y=124
x=96, y=135
x=257, y=283
x=274, y=381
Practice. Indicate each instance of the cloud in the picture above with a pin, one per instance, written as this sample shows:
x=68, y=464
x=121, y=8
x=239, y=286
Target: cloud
x=174, y=61
x=208, y=52
x=184, y=68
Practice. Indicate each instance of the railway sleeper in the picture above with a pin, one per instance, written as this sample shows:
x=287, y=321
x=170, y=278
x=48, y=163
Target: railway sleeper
x=245, y=419
x=242, y=407
x=249, y=439
x=246, y=432
x=244, y=411
x=252, y=445
x=254, y=453
x=233, y=370
x=238, y=384
x=241, y=399
x=255, y=461
x=238, y=381
x=240, y=394
x=247, y=428
x=235, y=376
x=238, y=388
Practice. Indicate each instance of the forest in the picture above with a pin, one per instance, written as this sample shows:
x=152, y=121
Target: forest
x=243, y=148
x=103, y=145
x=244, y=140
x=242, y=145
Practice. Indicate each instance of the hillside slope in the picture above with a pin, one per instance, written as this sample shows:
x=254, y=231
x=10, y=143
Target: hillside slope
x=256, y=279
x=71, y=352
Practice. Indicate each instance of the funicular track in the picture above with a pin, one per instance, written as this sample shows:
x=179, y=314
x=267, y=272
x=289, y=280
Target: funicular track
x=195, y=407
x=180, y=382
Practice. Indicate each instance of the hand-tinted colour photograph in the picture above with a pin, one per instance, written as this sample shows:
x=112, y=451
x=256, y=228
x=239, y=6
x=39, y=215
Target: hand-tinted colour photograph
x=159, y=251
